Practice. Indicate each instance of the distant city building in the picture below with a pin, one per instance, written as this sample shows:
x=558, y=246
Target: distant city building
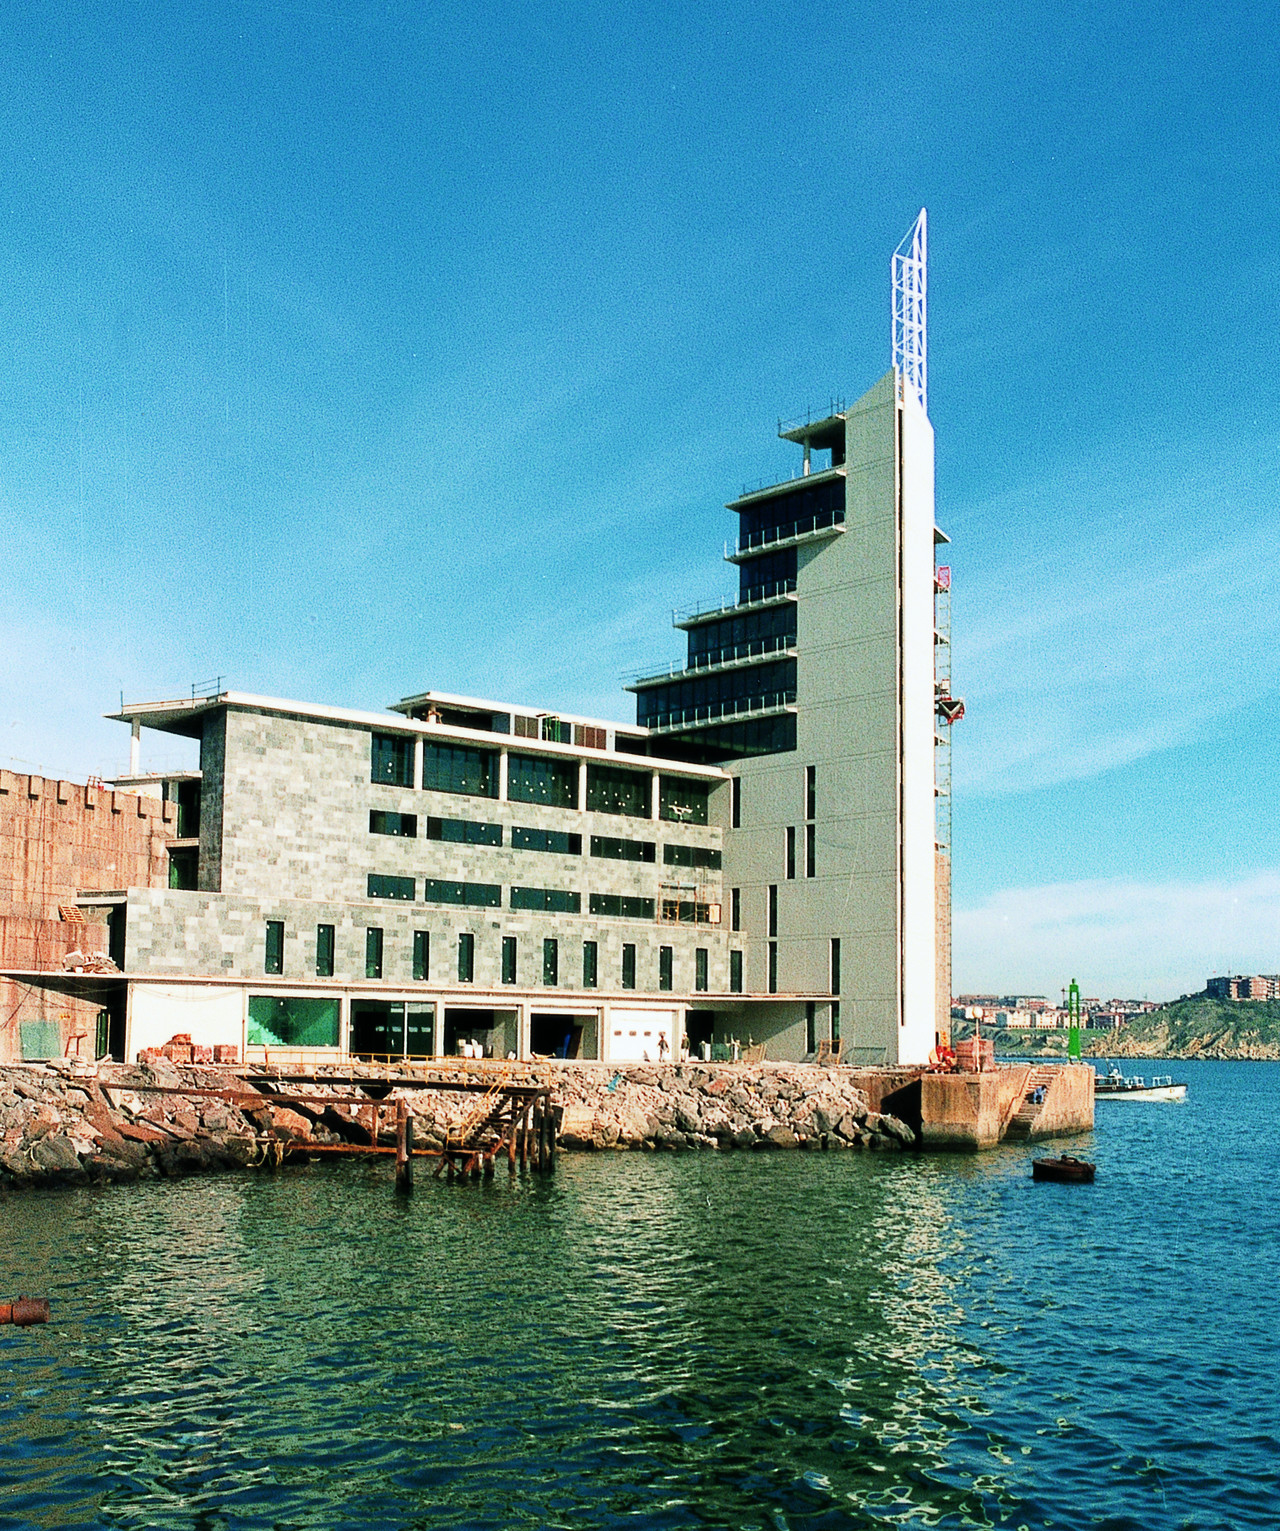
x=1240, y=986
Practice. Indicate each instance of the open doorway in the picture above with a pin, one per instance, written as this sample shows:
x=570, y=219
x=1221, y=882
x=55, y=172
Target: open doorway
x=489, y=1033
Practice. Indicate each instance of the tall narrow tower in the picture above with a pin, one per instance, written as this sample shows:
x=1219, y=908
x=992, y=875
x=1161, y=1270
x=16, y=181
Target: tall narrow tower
x=816, y=688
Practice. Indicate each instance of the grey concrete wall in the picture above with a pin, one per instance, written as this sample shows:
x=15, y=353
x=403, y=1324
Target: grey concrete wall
x=193, y=933
x=847, y=726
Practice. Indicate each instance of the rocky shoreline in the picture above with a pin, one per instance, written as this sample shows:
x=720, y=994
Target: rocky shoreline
x=67, y=1123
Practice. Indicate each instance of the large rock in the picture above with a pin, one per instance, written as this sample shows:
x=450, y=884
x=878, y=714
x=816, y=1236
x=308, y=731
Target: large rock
x=56, y=1154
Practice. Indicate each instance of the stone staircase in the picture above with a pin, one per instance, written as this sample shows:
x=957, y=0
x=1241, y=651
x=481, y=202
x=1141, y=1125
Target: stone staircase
x=1022, y=1122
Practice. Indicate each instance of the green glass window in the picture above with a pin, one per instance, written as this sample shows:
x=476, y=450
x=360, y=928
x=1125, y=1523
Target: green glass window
x=623, y=850
x=735, y=972
x=421, y=955
x=691, y=856
x=550, y=962
x=612, y=789
x=700, y=969
x=464, y=831
x=479, y=895
x=454, y=768
x=533, y=779
x=274, y=960
x=373, y=952
x=392, y=760
x=835, y=1023
x=382, y=886
x=466, y=957
x=292, y=1022
x=628, y=966
x=590, y=964
x=383, y=823
x=555, y=840
x=621, y=906
x=508, y=959
x=664, y=967
x=685, y=802
x=557, y=900
x=324, y=951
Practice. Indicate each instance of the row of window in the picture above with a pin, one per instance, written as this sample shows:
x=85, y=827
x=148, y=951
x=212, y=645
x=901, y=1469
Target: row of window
x=473, y=772
x=488, y=895
x=791, y=515
x=472, y=832
x=375, y=946
x=718, y=693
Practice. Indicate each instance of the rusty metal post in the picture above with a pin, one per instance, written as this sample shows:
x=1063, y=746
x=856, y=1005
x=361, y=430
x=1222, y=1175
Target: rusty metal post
x=404, y=1146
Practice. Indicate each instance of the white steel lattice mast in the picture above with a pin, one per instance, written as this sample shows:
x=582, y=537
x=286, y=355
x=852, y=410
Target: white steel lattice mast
x=909, y=268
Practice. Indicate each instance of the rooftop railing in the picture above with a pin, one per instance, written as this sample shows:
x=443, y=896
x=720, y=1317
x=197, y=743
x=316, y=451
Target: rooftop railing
x=727, y=654
x=712, y=712
x=756, y=595
x=788, y=531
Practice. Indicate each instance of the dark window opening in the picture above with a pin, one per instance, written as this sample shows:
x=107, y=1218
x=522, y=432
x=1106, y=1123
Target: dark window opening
x=623, y=850
x=188, y=799
x=384, y=886
x=184, y=868
x=628, y=966
x=324, y=951
x=810, y=1027
x=665, y=966
x=737, y=802
x=421, y=955
x=835, y=1023
x=466, y=957
x=612, y=789
x=479, y=895
x=691, y=856
x=534, y=779
x=791, y=851
x=773, y=967
x=392, y=760
x=622, y=906
x=550, y=962
x=700, y=969
x=590, y=964
x=372, y=952
x=811, y=850
x=383, y=823
x=274, y=960
x=811, y=792
x=681, y=801
x=773, y=909
x=835, y=964
x=735, y=972
x=556, y=841
x=508, y=959
x=735, y=908
x=556, y=900
x=464, y=832
x=454, y=768
x=392, y=1029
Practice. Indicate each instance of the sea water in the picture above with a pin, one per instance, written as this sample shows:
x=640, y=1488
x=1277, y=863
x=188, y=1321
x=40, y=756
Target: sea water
x=787, y=1340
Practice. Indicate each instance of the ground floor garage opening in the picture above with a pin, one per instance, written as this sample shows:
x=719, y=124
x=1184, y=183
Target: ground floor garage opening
x=382, y=1028
x=480, y=1033
x=554, y=1034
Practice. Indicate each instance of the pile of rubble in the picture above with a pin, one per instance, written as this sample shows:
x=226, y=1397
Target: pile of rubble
x=731, y=1107
x=66, y=1122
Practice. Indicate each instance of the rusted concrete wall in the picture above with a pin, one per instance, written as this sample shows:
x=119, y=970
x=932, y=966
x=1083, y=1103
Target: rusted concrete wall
x=1068, y=1103
x=974, y=1110
x=58, y=839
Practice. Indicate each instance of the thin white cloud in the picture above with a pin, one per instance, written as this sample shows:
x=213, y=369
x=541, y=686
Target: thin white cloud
x=1118, y=938
x=1147, y=610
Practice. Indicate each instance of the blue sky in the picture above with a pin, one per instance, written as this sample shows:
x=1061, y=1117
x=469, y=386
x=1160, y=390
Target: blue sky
x=360, y=348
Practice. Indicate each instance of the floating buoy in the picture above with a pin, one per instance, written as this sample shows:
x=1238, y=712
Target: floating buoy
x=27, y=1310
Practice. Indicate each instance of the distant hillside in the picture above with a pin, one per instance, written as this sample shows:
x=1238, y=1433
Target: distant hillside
x=1189, y=1028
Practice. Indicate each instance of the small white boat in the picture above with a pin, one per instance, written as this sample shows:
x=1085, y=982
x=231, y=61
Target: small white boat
x=1114, y=1085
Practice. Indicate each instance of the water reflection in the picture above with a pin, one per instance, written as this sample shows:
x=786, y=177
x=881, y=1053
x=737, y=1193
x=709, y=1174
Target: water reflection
x=787, y=1341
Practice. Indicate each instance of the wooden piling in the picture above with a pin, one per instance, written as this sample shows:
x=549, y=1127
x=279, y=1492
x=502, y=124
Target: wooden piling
x=404, y=1147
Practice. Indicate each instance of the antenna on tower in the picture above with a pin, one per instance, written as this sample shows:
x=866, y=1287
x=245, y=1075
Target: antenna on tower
x=909, y=268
